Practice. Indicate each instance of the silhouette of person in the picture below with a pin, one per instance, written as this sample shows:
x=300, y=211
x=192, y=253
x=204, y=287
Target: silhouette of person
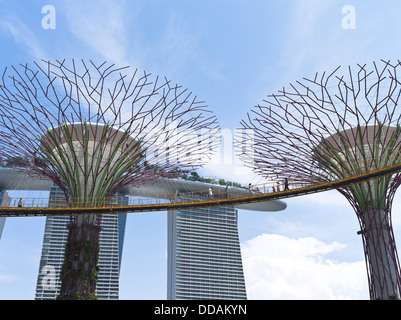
x=286, y=184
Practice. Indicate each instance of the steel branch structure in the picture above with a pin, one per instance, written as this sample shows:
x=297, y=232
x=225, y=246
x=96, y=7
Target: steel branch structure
x=93, y=129
x=334, y=126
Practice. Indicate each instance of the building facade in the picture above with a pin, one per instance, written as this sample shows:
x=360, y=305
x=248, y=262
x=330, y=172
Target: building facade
x=2, y=222
x=4, y=200
x=52, y=257
x=204, y=256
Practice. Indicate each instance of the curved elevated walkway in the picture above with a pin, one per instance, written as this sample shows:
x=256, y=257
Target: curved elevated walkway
x=163, y=195
x=153, y=196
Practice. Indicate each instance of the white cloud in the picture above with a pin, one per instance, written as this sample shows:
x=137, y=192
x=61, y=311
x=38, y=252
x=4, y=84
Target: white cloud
x=307, y=20
x=6, y=278
x=278, y=267
x=182, y=54
x=101, y=26
x=22, y=35
x=178, y=46
x=234, y=172
x=327, y=199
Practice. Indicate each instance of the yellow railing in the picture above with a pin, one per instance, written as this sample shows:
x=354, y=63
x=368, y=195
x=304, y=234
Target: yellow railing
x=219, y=193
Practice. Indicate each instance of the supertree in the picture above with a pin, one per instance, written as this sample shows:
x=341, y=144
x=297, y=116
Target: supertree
x=93, y=129
x=332, y=126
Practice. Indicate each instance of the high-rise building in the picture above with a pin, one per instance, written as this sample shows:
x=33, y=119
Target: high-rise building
x=52, y=258
x=2, y=222
x=204, y=256
x=4, y=199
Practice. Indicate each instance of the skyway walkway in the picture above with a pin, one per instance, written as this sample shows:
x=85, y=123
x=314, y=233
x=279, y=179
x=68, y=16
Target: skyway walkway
x=178, y=200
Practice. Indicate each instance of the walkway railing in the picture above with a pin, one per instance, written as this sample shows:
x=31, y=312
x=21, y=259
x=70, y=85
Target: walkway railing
x=171, y=201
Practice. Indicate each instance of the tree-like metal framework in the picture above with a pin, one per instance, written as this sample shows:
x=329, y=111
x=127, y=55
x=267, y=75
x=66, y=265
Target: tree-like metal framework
x=333, y=126
x=93, y=129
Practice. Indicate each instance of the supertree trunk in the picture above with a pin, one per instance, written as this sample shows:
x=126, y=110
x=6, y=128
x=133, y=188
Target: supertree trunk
x=381, y=255
x=373, y=209
x=79, y=271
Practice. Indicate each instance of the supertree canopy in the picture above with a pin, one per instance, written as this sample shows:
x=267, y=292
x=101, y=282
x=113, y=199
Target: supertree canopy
x=93, y=129
x=333, y=126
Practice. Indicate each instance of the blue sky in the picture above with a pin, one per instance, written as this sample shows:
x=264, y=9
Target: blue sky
x=231, y=54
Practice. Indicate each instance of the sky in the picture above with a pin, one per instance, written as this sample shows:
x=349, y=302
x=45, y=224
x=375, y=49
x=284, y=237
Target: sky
x=231, y=54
